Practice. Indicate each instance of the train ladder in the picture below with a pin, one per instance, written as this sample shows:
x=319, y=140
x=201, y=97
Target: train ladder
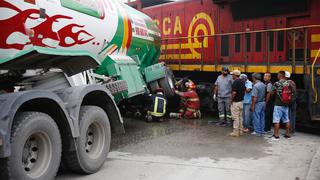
x=314, y=87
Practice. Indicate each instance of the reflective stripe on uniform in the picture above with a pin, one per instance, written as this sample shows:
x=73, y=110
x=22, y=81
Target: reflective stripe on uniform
x=192, y=110
x=193, y=99
x=155, y=109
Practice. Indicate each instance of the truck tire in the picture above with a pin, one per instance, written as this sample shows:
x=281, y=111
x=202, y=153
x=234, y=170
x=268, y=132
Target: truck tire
x=168, y=83
x=117, y=86
x=154, y=85
x=93, y=143
x=35, y=148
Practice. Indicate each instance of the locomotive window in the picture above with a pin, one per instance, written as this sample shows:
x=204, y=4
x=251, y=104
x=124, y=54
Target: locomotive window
x=271, y=42
x=237, y=43
x=224, y=45
x=248, y=42
x=280, y=42
x=89, y=7
x=258, y=42
x=248, y=9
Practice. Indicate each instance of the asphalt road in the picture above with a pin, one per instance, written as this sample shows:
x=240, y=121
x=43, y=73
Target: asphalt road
x=192, y=150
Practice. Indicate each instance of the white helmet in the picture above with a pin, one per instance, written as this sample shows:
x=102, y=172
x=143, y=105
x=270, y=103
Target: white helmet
x=287, y=74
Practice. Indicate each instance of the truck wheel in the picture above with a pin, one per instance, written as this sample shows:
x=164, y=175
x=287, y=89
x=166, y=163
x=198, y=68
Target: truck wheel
x=154, y=85
x=35, y=148
x=167, y=83
x=117, y=86
x=93, y=143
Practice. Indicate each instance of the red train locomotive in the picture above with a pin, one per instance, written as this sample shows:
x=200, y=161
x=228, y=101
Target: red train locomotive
x=201, y=36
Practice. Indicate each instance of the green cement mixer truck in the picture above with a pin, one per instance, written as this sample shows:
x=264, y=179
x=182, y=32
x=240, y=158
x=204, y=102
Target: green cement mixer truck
x=64, y=66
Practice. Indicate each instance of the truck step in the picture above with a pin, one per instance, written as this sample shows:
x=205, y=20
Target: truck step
x=117, y=87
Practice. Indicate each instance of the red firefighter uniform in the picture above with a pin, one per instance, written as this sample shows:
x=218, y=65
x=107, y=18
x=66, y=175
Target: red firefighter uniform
x=191, y=102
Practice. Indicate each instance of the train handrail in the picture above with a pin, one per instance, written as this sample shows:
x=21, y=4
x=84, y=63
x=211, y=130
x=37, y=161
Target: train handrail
x=315, y=100
x=243, y=32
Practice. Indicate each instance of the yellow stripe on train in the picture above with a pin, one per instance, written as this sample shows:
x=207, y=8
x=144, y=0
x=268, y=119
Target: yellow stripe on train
x=315, y=38
x=249, y=69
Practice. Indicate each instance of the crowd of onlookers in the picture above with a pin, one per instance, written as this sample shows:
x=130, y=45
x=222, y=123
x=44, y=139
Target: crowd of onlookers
x=253, y=106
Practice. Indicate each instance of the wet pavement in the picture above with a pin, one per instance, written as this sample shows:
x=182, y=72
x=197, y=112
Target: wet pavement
x=186, y=139
x=184, y=149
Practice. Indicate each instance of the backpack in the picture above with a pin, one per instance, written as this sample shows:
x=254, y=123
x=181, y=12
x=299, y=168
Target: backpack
x=286, y=94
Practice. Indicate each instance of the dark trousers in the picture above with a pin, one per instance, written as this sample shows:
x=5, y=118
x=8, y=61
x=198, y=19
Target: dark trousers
x=292, y=116
x=269, y=116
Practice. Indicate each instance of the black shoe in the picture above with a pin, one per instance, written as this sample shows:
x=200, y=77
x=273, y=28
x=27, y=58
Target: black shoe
x=221, y=123
x=212, y=122
x=275, y=138
x=287, y=136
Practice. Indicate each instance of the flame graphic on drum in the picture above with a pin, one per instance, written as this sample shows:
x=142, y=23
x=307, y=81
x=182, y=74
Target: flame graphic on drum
x=42, y=31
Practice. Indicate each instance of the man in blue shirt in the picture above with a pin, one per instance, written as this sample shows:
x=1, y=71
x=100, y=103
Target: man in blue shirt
x=247, y=103
x=258, y=104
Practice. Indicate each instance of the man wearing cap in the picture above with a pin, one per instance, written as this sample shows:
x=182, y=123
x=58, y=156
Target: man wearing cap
x=293, y=104
x=258, y=104
x=247, y=99
x=222, y=93
x=238, y=91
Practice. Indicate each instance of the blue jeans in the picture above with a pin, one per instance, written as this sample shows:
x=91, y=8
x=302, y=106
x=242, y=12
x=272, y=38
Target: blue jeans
x=259, y=117
x=247, y=121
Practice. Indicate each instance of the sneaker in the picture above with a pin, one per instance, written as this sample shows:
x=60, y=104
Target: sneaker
x=246, y=130
x=253, y=133
x=287, y=136
x=275, y=138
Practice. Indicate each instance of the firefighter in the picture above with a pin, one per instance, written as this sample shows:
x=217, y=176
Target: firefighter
x=191, y=104
x=156, y=106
